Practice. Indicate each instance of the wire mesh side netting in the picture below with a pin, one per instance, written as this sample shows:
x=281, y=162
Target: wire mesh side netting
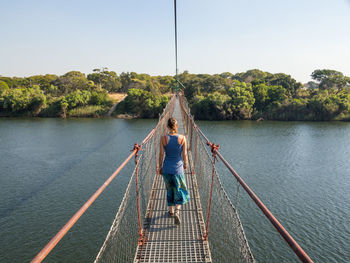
x=226, y=236
x=123, y=236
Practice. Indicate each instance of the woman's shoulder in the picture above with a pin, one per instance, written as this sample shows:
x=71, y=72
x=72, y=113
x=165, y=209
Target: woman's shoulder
x=181, y=138
x=164, y=139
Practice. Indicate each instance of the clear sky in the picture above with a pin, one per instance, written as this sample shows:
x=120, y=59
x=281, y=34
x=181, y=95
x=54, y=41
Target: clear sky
x=57, y=36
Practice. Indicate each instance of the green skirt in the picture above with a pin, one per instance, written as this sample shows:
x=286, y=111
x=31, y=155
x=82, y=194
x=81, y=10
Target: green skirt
x=177, y=193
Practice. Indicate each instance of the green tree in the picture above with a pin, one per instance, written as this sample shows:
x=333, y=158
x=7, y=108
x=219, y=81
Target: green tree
x=71, y=81
x=43, y=81
x=105, y=79
x=3, y=87
x=142, y=103
x=77, y=98
x=277, y=94
x=212, y=107
x=253, y=75
x=100, y=98
x=21, y=100
x=284, y=80
x=242, y=99
x=330, y=79
x=261, y=96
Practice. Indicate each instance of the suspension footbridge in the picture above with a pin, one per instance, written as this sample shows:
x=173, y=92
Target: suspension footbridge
x=211, y=229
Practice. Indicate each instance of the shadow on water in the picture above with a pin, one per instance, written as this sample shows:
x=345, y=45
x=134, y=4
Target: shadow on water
x=50, y=180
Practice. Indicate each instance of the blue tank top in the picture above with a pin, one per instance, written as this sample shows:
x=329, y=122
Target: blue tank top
x=173, y=163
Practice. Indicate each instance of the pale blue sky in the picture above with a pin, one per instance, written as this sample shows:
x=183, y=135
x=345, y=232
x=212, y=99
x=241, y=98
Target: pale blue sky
x=293, y=37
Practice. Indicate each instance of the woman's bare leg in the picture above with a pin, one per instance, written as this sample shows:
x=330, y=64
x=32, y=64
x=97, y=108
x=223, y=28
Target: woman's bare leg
x=177, y=215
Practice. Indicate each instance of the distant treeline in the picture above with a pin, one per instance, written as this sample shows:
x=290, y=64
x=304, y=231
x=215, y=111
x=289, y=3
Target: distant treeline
x=261, y=95
x=254, y=94
x=77, y=95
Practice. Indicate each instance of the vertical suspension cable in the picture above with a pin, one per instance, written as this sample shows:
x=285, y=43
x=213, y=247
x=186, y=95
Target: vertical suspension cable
x=137, y=147
x=175, y=22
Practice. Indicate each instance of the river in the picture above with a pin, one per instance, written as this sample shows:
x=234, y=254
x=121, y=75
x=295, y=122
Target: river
x=50, y=167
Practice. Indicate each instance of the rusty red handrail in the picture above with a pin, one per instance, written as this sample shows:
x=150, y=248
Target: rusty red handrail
x=302, y=255
x=53, y=242
x=284, y=233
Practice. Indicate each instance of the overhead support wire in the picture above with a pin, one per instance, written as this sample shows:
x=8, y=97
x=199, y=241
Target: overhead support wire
x=175, y=19
x=176, y=64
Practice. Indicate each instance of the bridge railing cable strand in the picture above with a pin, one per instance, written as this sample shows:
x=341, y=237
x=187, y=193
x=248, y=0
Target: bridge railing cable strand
x=228, y=206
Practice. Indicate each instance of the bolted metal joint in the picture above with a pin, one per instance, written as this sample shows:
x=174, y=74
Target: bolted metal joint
x=137, y=148
x=214, y=149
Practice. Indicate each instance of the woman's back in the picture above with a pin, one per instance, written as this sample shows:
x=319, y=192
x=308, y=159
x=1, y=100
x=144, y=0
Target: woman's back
x=173, y=163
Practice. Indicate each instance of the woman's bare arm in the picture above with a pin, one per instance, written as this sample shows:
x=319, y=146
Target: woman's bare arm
x=161, y=154
x=184, y=153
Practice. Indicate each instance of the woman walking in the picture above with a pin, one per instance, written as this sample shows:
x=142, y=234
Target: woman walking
x=175, y=162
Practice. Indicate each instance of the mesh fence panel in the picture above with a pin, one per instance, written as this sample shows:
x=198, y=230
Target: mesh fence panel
x=226, y=236
x=123, y=236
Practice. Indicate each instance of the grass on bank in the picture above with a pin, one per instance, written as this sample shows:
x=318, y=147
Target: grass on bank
x=88, y=111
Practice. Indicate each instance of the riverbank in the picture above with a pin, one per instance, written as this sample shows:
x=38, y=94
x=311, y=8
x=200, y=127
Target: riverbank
x=249, y=95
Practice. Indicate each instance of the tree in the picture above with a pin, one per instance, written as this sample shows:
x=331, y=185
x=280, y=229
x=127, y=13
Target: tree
x=226, y=75
x=21, y=100
x=261, y=96
x=105, y=79
x=142, y=103
x=125, y=78
x=43, y=81
x=284, y=80
x=166, y=83
x=71, y=81
x=3, y=87
x=253, y=74
x=330, y=79
x=277, y=94
x=212, y=107
x=242, y=99
x=100, y=98
x=77, y=98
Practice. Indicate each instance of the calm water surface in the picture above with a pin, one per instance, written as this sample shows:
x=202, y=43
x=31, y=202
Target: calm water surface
x=50, y=167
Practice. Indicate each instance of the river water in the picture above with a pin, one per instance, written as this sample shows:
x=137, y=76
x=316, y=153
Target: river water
x=50, y=167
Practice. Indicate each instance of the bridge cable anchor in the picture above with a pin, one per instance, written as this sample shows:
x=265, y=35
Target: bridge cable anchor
x=137, y=147
x=214, y=149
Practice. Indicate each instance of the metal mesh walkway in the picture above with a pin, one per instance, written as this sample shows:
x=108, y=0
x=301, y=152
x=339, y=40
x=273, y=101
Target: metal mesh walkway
x=166, y=242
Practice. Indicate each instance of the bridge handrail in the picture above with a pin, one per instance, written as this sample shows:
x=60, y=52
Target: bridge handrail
x=302, y=255
x=54, y=241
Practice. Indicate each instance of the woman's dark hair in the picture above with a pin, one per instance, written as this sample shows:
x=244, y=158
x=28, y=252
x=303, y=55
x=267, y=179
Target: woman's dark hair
x=171, y=123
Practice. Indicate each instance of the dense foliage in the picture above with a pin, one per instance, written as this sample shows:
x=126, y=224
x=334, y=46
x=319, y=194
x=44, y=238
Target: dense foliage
x=74, y=94
x=261, y=95
x=142, y=103
x=253, y=94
